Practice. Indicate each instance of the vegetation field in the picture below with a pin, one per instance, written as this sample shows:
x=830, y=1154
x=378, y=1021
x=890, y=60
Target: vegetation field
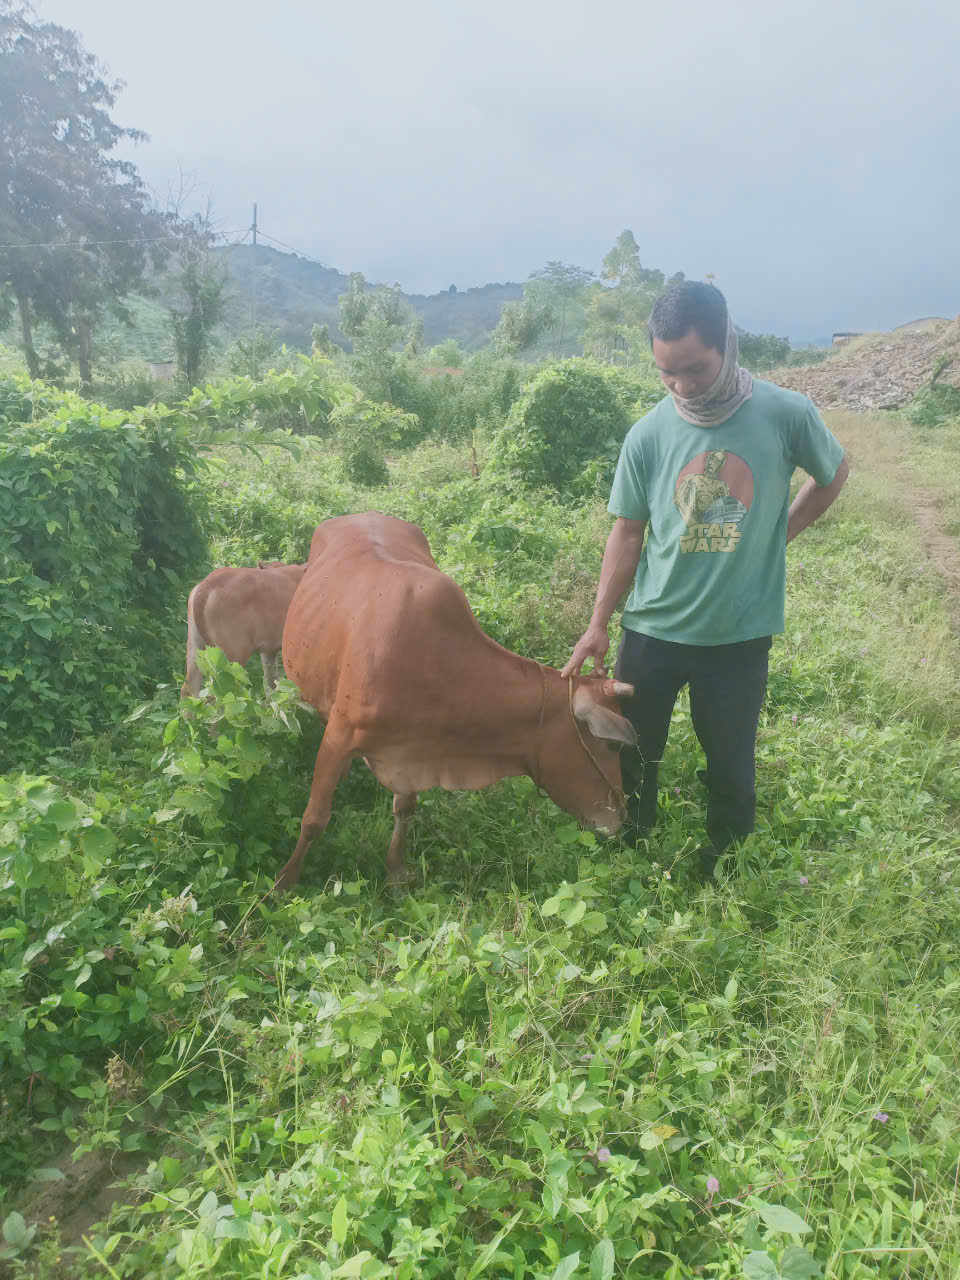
x=557, y=1056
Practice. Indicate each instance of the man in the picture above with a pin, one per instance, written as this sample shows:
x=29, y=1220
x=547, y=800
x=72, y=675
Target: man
x=706, y=475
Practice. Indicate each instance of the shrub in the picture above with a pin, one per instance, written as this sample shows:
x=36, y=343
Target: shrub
x=936, y=403
x=22, y=400
x=637, y=392
x=299, y=399
x=568, y=416
x=365, y=430
x=96, y=533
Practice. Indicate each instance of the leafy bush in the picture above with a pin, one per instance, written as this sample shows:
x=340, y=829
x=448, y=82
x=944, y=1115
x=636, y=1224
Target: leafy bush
x=97, y=538
x=365, y=431
x=762, y=350
x=635, y=390
x=567, y=417
x=807, y=355
x=936, y=403
x=22, y=400
x=300, y=399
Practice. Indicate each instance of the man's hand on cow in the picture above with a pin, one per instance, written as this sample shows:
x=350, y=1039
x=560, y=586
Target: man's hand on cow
x=594, y=644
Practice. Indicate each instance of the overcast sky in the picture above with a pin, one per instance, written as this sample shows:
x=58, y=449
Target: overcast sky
x=807, y=153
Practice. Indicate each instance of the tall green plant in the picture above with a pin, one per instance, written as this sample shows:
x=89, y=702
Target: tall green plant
x=98, y=539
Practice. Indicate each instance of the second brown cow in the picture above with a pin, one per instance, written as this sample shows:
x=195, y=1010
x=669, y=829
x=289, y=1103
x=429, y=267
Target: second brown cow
x=242, y=612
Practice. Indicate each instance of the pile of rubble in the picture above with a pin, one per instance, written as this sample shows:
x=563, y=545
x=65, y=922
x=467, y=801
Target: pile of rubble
x=878, y=370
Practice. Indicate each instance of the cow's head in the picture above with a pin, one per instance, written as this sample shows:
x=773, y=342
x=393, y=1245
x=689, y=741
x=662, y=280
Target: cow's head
x=580, y=761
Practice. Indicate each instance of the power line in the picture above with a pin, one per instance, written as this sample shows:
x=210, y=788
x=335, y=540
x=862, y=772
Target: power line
x=299, y=252
x=90, y=244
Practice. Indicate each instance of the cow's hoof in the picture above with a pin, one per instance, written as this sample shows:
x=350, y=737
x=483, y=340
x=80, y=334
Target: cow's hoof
x=399, y=882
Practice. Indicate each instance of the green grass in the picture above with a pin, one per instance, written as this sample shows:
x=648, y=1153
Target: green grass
x=531, y=1065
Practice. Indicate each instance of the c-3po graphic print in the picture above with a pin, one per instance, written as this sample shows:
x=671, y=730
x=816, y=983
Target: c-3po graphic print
x=714, y=493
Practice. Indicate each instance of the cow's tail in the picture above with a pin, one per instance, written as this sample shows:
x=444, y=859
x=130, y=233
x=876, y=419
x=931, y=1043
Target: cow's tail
x=195, y=642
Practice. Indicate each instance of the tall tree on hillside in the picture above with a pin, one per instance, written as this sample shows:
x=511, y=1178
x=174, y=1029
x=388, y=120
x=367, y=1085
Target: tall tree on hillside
x=201, y=302
x=62, y=190
x=354, y=306
x=558, y=285
x=377, y=322
x=618, y=310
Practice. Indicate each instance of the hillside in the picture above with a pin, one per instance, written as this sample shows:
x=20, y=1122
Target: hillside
x=879, y=370
x=295, y=293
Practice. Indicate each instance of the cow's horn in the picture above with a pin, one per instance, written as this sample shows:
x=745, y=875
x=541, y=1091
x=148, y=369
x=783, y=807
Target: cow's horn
x=618, y=689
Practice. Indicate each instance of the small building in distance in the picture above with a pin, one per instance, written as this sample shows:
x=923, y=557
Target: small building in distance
x=161, y=370
x=841, y=339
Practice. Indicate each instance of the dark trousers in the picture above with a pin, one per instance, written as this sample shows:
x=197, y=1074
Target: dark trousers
x=727, y=686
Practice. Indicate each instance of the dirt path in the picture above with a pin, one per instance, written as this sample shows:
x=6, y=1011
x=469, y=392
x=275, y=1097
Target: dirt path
x=86, y=1193
x=876, y=447
x=942, y=550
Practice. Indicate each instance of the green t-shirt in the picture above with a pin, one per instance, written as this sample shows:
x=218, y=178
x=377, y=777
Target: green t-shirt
x=713, y=568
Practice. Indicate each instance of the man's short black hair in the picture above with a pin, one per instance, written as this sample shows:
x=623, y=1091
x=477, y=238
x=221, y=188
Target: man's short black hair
x=690, y=305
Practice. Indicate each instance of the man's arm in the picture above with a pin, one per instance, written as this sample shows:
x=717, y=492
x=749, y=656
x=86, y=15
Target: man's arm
x=620, y=559
x=813, y=500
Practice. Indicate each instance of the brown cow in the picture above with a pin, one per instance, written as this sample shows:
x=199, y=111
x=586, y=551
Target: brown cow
x=242, y=612
x=386, y=648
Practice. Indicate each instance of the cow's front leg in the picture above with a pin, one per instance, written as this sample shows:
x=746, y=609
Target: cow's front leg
x=333, y=760
x=404, y=807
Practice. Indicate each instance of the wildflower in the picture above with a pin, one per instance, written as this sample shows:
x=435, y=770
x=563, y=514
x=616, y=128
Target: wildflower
x=804, y=881
x=881, y=1116
x=794, y=719
x=603, y=1155
x=676, y=791
x=923, y=662
x=666, y=875
x=864, y=652
x=713, y=1186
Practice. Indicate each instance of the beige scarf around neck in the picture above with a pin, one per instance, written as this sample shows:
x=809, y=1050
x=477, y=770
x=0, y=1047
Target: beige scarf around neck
x=733, y=385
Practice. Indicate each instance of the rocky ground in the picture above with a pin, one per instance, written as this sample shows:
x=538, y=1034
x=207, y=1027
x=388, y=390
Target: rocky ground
x=878, y=370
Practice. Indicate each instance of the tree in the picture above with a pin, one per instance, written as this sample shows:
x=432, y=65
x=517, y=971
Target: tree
x=81, y=219
x=625, y=304
x=762, y=350
x=558, y=286
x=201, y=286
x=520, y=325
x=354, y=306
x=415, y=337
x=320, y=341
x=446, y=355
x=377, y=321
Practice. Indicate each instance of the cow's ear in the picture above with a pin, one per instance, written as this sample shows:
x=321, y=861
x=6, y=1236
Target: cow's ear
x=604, y=723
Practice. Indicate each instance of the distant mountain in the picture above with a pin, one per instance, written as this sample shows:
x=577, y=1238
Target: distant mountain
x=294, y=294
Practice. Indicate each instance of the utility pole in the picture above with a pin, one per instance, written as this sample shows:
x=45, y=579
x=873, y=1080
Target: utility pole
x=253, y=302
